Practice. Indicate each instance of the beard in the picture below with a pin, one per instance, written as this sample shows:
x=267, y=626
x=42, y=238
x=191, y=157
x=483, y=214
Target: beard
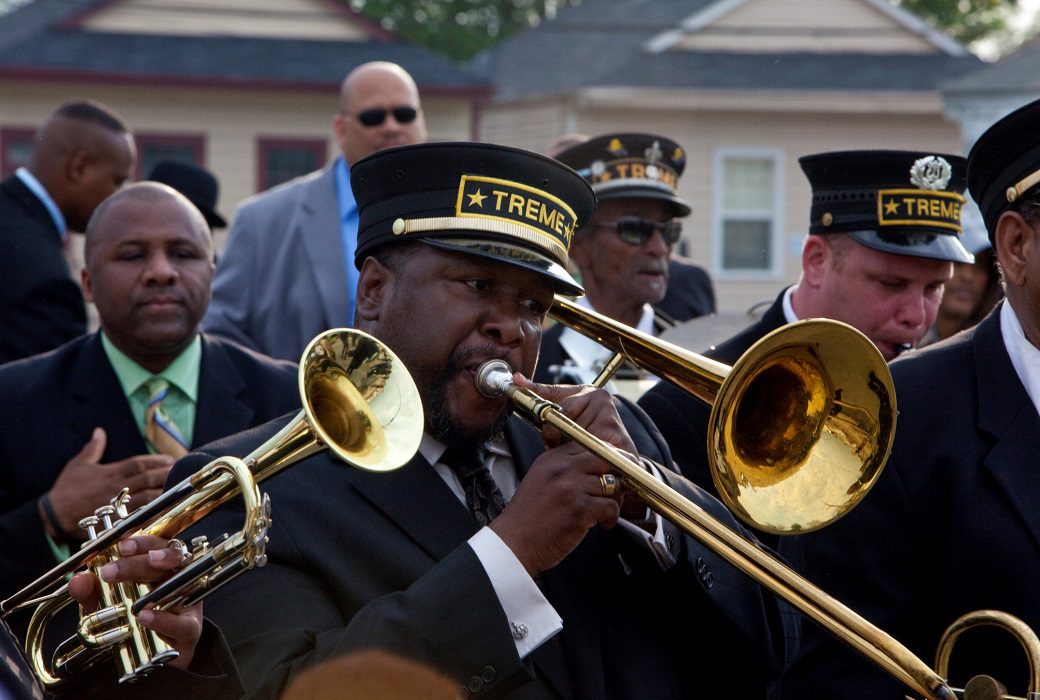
x=444, y=426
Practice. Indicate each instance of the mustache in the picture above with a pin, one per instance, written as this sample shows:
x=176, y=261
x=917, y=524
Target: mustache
x=475, y=356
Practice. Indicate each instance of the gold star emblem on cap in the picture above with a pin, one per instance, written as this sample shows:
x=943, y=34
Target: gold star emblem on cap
x=891, y=207
x=476, y=199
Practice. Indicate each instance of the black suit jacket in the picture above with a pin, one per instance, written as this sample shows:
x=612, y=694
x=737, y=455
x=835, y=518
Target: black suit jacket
x=690, y=291
x=951, y=526
x=50, y=404
x=41, y=306
x=360, y=559
x=683, y=418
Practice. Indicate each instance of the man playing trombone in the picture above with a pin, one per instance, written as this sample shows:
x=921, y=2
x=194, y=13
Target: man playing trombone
x=506, y=559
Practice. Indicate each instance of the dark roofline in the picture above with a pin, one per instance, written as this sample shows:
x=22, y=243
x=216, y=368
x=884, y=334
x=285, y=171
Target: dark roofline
x=48, y=75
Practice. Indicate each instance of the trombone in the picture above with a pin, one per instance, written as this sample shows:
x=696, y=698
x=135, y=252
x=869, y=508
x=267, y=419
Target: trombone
x=807, y=413
x=359, y=402
x=810, y=402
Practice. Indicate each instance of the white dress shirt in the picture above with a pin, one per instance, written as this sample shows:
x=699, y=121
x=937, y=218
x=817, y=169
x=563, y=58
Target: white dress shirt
x=1025, y=357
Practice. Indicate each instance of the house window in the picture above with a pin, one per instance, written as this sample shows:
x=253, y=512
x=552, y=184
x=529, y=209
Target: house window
x=153, y=147
x=747, y=213
x=15, y=149
x=280, y=160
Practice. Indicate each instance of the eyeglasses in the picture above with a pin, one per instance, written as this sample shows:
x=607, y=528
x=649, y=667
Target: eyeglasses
x=376, y=115
x=635, y=230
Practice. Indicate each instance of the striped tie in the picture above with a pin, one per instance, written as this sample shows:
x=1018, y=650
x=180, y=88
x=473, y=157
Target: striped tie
x=160, y=431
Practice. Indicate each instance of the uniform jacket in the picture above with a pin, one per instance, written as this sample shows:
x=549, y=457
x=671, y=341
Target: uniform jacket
x=951, y=526
x=360, y=559
x=282, y=277
x=50, y=404
x=41, y=306
x=690, y=291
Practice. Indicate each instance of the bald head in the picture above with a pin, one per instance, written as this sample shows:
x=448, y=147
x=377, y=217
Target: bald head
x=81, y=154
x=378, y=108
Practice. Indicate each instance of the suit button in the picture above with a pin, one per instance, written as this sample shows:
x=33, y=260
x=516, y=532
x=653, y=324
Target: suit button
x=670, y=541
x=475, y=684
x=488, y=673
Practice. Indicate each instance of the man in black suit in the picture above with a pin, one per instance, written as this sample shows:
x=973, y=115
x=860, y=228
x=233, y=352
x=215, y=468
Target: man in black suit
x=952, y=525
x=883, y=274
x=74, y=422
x=81, y=154
x=624, y=253
x=461, y=248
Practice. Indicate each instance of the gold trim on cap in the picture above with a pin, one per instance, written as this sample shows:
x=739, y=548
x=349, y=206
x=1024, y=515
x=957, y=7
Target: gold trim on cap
x=1022, y=186
x=467, y=223
x=604, y=185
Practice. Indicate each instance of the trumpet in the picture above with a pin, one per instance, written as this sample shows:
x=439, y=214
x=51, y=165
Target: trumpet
x=359, y=402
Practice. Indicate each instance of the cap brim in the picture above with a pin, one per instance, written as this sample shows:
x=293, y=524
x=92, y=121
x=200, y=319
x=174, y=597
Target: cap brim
x=679, y=206
x=214, y=219
x=512, y=255
x=921, y=245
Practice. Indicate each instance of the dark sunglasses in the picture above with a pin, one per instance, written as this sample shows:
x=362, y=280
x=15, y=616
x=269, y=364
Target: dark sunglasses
x=376, y=116
x=635, y=230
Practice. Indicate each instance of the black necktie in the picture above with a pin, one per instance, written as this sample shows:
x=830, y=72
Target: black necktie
x=483, y=498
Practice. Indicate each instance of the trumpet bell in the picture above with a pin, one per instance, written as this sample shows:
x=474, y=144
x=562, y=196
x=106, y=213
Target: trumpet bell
x=363, y=404
x=802, y=426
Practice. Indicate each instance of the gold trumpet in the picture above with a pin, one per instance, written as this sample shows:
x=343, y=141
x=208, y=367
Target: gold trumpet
x=358, y=402
x=810, y=402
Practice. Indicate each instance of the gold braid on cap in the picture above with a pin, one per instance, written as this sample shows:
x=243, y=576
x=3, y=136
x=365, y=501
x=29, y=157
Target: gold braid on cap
x=1022, y=186
x=465, y=223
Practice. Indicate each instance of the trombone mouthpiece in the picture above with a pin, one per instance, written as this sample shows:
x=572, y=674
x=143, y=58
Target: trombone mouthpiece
x=493, y=378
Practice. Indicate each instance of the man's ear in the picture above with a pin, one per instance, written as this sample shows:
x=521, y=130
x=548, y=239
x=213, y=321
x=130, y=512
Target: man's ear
x=88, y=290
x=77, y=165
x=375, y=287
x=1015, y=241
x=582, y=248
x=816, y=258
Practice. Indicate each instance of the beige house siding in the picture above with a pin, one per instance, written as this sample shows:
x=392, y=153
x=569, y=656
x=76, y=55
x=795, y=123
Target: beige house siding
x=282, y=19
x=796, y=129
x=808, y=25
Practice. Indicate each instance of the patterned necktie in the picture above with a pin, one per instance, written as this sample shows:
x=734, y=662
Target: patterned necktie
x=160, y=431
x=483, y=497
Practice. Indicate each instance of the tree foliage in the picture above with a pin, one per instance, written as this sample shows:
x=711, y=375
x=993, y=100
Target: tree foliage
x=965, y=20
x=462, y=28
x=458, y=29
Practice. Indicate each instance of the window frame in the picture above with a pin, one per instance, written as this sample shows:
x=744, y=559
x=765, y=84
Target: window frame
x=18, y=134
x=318, y=146
x=196, y=141
x=720, y=214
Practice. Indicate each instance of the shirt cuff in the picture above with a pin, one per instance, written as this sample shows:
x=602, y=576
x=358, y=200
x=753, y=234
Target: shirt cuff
x=532, y=620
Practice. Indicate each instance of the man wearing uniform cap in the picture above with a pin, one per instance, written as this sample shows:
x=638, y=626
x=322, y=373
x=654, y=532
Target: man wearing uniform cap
x=624, y=253
x=481, y=557
x=951, y=526
x=196, y=183
x=884, y=231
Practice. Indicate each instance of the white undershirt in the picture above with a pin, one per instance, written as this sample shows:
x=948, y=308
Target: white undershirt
x=789, y=315
x=588, y=356
x=1025, y=357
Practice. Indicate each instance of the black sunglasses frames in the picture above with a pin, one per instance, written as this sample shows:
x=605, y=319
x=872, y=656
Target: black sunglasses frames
x=635, y=230
x=376, y=116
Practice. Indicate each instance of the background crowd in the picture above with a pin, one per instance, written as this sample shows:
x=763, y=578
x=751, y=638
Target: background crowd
x=501, y=561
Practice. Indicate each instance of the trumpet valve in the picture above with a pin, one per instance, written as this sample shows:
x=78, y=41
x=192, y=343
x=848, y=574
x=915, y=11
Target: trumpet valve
x=104, y=514
x=89, y=525
x=120, y=502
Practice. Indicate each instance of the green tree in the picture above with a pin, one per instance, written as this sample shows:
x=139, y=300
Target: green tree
x=457, y=28
x=965, y=20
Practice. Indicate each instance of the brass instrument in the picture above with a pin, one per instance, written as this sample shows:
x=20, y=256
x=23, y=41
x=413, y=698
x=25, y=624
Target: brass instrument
x=358, y=401
x=987, y=687
x=800, y=426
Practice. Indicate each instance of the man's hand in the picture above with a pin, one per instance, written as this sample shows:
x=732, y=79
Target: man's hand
x=85, y=484
x=147, y=559
x=561, y=497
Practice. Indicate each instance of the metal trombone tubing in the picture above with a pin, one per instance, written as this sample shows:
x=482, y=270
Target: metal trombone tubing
x=845, y=624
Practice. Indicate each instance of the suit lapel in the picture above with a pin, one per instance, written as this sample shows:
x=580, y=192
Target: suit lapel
x=415, y=496
x=219, y=409
x=99, y=401
x=1006, y=412
x=321, y=233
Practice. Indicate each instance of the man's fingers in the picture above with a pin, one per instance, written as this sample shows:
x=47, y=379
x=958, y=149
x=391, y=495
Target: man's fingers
x=177, y=628
x=93, y=448
x=82, y=590
x=142, y=464
x=148, y=566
